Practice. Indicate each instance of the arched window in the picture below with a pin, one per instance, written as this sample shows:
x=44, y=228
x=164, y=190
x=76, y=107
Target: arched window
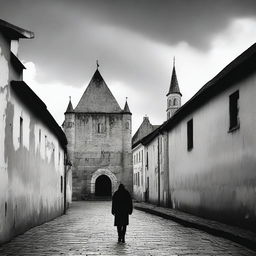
x=169, y=102
x=175, y=102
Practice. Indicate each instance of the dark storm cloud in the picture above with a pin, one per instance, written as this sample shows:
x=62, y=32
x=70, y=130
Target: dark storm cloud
x=172, y=21
x=70, y=34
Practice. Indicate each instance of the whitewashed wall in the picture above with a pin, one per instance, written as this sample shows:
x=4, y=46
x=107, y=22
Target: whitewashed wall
x=139, y=189
x=30, y=172
x=217, y=178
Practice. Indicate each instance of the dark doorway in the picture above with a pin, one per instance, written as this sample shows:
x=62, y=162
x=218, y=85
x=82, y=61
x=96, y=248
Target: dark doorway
x=103, y=186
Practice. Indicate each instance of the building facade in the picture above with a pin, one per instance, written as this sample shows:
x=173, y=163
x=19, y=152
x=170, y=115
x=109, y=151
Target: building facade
x=140, y=161
x=210, y=146
x=151, y=175
x=99, y=142
x=32, y=147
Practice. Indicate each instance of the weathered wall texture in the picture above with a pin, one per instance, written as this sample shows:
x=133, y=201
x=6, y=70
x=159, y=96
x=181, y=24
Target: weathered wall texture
x=91, y=151
x=217, y=177
x=31, y=165
x=99, y=140
x=157, y=171
x=139, y=173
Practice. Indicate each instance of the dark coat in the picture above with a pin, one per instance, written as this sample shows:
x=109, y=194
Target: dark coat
x=121, y=207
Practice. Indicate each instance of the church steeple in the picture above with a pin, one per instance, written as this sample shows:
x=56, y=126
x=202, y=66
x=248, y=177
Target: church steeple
x=174, y=95
x=174, y=85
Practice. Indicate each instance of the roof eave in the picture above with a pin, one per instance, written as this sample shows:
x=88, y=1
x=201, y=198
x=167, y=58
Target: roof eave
x=16, y=32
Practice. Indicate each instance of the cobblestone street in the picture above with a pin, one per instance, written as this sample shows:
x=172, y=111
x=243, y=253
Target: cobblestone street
x=87, y=229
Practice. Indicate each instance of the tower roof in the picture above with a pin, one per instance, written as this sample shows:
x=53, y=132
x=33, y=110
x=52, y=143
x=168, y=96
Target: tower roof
x=70, y=107
x=174, y=85
x=97, y=97
x=126, y=108
x=145, y=128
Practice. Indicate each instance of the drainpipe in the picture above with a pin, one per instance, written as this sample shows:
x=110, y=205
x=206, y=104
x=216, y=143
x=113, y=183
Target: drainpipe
x=158, y=168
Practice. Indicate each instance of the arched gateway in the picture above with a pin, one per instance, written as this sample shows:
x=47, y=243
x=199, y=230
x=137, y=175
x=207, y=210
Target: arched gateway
x=100, y=182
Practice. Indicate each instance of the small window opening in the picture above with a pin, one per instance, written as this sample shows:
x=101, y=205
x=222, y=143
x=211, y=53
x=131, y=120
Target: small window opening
x=21, y=131
x=233, y=111
x=61, y=184
x=190, y=134
x=5, y=209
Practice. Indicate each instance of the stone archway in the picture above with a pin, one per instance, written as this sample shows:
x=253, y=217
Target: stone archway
x=103, y=186
x=106, y=172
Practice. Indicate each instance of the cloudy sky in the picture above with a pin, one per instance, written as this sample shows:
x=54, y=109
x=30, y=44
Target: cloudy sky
x=134, y=41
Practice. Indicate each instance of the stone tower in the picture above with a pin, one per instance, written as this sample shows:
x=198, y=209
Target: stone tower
x=174, y=95
x=99, y=142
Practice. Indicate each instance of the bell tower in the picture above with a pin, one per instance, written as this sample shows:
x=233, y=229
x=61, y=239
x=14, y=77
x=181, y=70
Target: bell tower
x=174, y=95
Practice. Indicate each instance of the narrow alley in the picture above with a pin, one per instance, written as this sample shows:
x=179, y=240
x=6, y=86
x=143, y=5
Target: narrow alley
x=87, y=229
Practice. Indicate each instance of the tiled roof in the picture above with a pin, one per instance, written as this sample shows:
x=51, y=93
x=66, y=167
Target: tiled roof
x=97, y=98
x=145, y=128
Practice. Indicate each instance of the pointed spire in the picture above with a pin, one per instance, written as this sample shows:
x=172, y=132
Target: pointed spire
x=97, y=78
x=174, y=85
x=70, y=106
x=126, y=107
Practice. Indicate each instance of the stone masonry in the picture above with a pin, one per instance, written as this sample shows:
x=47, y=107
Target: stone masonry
x=99, y=142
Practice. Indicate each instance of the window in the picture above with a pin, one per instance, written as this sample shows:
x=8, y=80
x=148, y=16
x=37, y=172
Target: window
x=61, y=184
x=147, y=160
x=168, y=115
x=39, y=136
x=127, y=125
x=138, y=179
x=100, y=128
x=174, y=102
x=190, y=134
x=233, y=111
x=21, y=131
x=169, y=103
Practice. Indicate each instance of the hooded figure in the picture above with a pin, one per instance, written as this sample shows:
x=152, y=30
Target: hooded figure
x=121, y=209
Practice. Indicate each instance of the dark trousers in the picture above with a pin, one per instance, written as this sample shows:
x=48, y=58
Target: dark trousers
x=121, y=230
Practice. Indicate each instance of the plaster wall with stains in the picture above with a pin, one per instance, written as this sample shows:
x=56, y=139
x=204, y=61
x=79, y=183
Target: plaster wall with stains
x=157, y=171
x=217, y=177
x=31, y=163
x=139, y=173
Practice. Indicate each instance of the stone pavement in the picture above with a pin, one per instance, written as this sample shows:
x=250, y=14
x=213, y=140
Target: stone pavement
x=236, y=234
x=87, y=229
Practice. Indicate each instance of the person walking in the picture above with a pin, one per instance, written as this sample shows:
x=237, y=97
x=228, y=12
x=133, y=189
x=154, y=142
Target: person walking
x=121, y=208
